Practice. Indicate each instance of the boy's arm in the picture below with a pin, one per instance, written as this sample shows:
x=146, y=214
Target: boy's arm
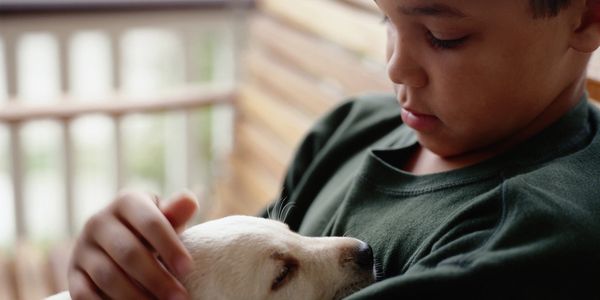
x=313, y=142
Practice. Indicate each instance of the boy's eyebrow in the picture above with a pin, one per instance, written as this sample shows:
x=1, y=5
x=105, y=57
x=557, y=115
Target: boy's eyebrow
x=436, y=10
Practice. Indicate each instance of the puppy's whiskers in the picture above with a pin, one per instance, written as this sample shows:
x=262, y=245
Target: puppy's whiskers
x=286, y=211
x=269, y=213
x=280, y=210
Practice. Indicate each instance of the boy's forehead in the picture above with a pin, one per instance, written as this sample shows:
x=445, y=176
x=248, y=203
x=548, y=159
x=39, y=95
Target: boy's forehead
x=457, y=8
x=430, y=9
x=477, y=10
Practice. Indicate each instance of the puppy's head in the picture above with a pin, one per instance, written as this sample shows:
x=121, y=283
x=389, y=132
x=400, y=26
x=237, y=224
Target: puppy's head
x=241, y=257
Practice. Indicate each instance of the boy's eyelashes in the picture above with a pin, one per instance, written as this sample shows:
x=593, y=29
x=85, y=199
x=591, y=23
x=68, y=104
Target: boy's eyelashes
x=445, y=44
x=442, y=44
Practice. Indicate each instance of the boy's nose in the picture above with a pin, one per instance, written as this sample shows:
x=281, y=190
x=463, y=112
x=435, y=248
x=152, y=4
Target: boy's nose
x=402, y=68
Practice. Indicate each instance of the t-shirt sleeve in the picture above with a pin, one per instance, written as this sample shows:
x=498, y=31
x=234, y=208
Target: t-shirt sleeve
x=316, y=139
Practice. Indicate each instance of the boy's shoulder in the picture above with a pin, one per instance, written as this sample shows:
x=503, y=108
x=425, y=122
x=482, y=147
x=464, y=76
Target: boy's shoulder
x=567, y=186
x=358, y=118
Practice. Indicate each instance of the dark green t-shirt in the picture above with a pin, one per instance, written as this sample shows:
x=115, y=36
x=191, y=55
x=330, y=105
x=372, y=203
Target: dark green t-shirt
x=523, y=225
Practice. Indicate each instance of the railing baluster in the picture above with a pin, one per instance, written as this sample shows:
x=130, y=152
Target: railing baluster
x=190, y=142
x=10, y=54
x=191, y=74
x=69, y=181
x=10, y=62
x=17, y=178
x=118, y=148
x=115, y=60
x=68, y=167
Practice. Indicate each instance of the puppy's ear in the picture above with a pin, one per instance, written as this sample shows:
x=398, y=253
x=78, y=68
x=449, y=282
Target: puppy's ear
x=180, y=209
x=586, y=37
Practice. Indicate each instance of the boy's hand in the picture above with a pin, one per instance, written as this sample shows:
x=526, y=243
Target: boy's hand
x=117, y=254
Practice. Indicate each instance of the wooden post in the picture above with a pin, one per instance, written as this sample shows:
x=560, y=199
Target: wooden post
x=10, y=51
x=115, y=49
x=68, y=165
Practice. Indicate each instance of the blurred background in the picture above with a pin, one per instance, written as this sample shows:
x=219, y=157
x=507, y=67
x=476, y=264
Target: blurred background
x=211, y=96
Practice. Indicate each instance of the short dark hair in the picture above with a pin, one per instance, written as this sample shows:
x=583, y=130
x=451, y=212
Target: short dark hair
x=547, y=8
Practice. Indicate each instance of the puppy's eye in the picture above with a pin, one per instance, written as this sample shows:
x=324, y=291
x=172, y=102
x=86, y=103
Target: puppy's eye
x=283, y=276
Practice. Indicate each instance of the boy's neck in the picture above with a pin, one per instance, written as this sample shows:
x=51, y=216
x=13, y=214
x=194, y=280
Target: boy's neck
x=423, y=161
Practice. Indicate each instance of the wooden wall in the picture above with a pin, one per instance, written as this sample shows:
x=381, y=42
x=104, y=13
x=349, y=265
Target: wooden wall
x=303, y=57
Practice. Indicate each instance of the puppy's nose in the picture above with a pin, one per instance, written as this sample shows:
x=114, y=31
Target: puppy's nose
x=364, y=256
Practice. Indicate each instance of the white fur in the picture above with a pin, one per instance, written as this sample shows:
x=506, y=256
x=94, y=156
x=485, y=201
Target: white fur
x=240, y=257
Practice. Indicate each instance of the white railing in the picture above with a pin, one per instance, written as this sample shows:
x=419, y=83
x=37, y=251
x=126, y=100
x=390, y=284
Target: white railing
x=191, y=27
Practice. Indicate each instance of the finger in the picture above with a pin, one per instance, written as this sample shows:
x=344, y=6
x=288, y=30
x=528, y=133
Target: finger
x=148, y=221
x=108, y=277
x=81, y=286
x=180, y=209
x=137, y=261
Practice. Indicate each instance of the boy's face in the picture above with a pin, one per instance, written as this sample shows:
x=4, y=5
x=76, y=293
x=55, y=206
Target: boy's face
x=471, y=74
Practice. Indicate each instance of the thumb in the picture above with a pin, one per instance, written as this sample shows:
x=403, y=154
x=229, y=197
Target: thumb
x=180, y=209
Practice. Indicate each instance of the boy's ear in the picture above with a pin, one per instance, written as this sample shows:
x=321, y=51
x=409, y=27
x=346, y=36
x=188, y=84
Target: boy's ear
x=586, y=37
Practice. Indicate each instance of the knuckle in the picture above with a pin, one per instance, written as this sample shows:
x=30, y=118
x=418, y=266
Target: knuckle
x=94, y=223
x=102, y=275
x=73, y=259
x=124, y=195
x=153, y=224
x=79, y=287
x=79, y=293
x=126, y=252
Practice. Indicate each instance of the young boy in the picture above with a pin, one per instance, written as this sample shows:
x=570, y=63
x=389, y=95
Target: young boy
x=478, y=179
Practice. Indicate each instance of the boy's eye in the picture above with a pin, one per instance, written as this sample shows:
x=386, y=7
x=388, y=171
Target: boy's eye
x=445, y=44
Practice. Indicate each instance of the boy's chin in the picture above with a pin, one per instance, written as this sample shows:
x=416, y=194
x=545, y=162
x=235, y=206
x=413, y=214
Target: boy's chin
x=452, y=149
x=440, y=147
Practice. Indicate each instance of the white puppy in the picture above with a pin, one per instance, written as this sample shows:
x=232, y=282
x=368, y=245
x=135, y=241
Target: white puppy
x=241, y=257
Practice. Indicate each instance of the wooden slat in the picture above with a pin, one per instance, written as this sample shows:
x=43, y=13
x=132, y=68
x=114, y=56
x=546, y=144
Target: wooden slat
x=30, y=273
x=245, y=192
x=70, y=108
x=116, y=20
x=257, y=144
x=258, y=187
x=286, y=122
x=321, y=60
x=226, y=199
x=302, y=91
x=347, y=26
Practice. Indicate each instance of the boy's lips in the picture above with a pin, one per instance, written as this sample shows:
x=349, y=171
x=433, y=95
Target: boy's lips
x=418, y=121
